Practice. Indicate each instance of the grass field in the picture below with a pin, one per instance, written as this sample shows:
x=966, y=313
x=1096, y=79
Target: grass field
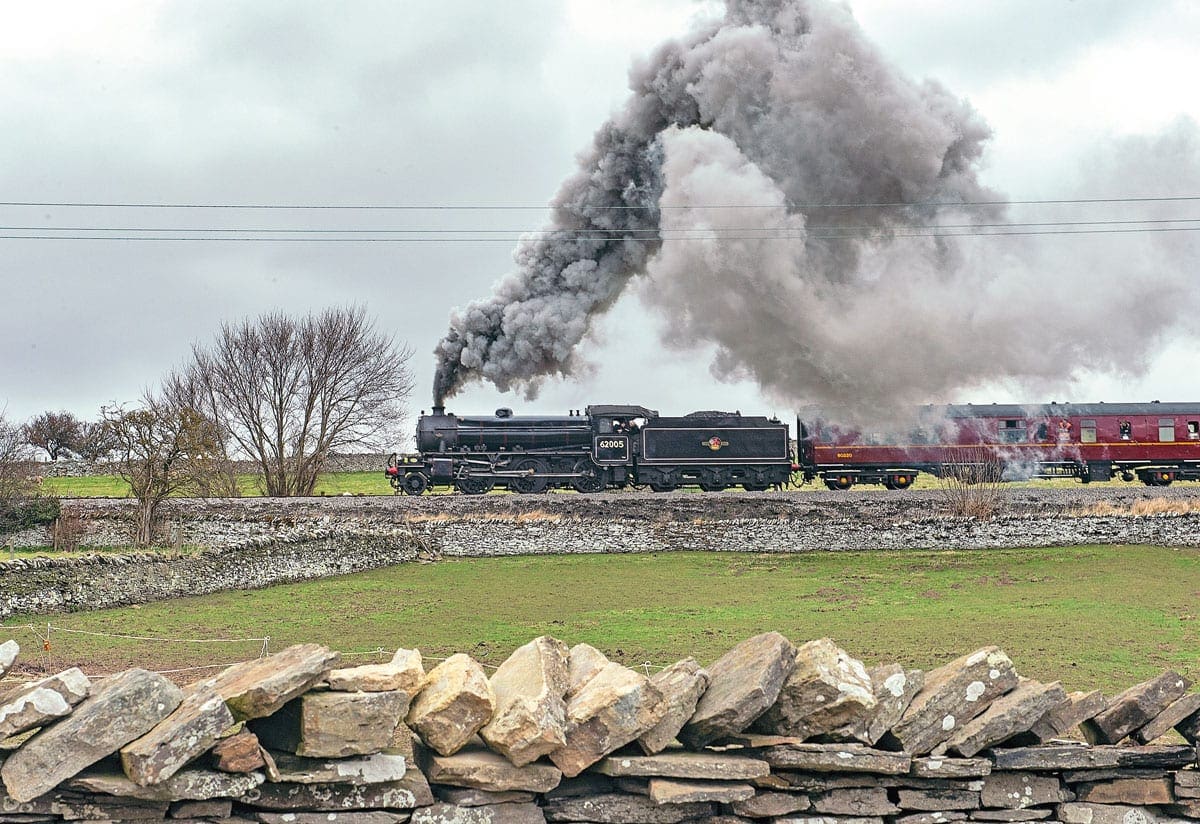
x=375, y=483
x=1089, y=616
x=111, y=486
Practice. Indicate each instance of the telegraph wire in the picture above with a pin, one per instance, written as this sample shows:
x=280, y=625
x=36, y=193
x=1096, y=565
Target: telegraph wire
x=668, y=238
x=529, y=207
x=655, y=231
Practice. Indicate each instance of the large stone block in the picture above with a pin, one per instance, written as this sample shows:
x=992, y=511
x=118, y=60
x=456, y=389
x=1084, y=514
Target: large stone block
x=123, y=708
x=239, y=753
x=1076, y=708
x=615, y=707
x=379, y=768
x=1083, y=813
x=404, y=672
x=258, y=688
x=681, y=791
x=940, y=767
x=743, y=684
x=827, y=689
x=334, y=724
x=770, y=804
x=953, y=694
x=1137, y=791
x=1173, y=716
x=618, y=808
x=1020, y=790
x=837, y=758
x=184, y=785
x=530, y=714
x=1077, y=757
x=895, y=688
x=854, y=801
x=481, y=769
x=1136, y=707
x=584, y=664
x=507, y=813
x=935, y=800
x=361, y=817
x=1007, y=716
x=454, y=703
x=410, y=792
x=712, y=766
x=178, y=739
x=681, y=685
x=42, y=702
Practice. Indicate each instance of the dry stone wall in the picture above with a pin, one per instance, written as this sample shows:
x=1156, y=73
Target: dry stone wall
x=44, y=585
x=771, y=732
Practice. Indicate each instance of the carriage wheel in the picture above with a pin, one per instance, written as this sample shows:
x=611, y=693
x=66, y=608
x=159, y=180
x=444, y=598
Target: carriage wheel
x=414, y=483
x=534, y=481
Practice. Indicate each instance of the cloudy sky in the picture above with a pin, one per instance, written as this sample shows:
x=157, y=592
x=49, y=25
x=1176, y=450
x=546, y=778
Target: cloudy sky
x=464, y=104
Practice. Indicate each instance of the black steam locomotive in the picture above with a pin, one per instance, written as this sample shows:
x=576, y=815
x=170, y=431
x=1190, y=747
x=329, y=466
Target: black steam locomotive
x=601, y=448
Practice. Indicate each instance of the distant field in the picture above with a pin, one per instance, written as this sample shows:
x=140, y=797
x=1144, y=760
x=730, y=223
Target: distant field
x=375, y=483
x=1089, y=616
x=110, y=486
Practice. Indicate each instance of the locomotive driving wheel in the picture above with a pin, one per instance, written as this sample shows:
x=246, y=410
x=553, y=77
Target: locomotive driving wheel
x=414, y=483
x=533, y=481
x=473, y=486
x=587, y=477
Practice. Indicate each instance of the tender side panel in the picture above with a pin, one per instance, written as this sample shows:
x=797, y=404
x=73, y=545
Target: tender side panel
x=714, y=445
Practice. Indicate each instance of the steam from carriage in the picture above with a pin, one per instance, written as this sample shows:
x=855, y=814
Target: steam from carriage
x=615, y=446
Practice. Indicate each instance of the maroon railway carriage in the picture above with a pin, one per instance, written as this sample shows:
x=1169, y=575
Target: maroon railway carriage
x=1157, y=443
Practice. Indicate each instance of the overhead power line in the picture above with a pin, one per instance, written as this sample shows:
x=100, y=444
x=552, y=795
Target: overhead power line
x=478, y=207
x=517, y=232
x=669, y=237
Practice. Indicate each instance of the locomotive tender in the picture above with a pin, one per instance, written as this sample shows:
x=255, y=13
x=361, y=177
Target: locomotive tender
x=615, y=446
x=604, y=446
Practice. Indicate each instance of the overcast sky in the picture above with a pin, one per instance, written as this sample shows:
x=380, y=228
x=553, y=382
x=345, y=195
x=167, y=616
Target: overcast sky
x=461, y=103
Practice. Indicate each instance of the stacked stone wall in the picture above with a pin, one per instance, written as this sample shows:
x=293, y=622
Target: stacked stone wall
x=99, y=581
x=356, y=462
x=771, y=732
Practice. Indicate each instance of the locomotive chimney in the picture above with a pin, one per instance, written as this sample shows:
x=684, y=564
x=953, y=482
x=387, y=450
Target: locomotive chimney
x=438, y=410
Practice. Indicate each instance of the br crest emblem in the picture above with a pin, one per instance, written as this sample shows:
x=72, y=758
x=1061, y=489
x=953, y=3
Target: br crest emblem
x=715, y=443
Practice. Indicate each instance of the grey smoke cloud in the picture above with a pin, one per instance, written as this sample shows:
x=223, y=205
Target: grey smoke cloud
x=787, y=105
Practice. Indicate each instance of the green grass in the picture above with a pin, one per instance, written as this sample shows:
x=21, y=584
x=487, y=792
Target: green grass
x=375, y=483
x=1088, y=616
x=111, y=486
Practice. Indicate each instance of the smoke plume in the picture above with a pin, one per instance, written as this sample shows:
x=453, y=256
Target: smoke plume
x=716, y=181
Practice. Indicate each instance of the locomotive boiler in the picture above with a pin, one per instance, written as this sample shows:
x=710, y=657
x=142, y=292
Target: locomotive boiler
x=590, y=450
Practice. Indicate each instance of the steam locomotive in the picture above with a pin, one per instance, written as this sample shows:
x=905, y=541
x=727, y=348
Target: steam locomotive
x=615, y=446
x=600, y=447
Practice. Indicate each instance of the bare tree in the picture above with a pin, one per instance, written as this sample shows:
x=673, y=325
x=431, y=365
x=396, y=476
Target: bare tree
x=972, y=483
x=57, y=433
x=289, y=391
x=96, y=441
x=21, y=505
x=161, y=449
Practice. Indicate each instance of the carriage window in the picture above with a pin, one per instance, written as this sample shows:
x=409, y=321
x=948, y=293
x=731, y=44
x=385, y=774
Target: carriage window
x=1087, y=431
x=1013, y=432
x=1166, y=429
x=1043, y=433
x=1126, y=430
x=1193, y=430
